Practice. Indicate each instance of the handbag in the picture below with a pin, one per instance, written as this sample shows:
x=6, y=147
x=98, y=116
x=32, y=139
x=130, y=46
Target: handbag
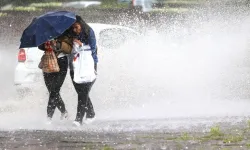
x=48, y=61
x=40, y=65
x=83, y=64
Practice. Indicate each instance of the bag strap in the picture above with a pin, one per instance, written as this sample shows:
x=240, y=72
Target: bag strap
x=50, y=48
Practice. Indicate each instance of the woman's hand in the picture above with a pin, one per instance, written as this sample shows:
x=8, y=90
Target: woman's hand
x=78, y=42
x=53, y=43
x=48, y=45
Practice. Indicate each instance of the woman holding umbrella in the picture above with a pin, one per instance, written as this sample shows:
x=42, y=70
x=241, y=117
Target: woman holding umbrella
x=44, y=28
x=54, y=80
x=84, y=35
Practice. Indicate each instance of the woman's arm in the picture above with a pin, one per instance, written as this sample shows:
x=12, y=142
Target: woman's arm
x=52, y=44
x=65, y=44
x=92, y=44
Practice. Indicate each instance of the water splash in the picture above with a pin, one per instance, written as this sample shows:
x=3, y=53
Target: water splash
x=197, y=68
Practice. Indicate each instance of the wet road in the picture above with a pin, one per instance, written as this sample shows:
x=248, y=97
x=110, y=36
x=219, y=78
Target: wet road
x=192, y=134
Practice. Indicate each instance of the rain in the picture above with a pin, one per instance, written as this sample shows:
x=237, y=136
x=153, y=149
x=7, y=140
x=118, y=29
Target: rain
x=171, y=75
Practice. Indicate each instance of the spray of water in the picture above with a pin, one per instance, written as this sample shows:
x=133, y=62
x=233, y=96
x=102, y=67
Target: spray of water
x=196, y=69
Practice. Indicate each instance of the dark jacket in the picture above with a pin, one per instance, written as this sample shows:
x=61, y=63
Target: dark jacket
x=91, y=41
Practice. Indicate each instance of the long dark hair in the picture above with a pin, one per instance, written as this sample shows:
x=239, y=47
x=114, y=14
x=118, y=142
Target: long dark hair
x=85, y=28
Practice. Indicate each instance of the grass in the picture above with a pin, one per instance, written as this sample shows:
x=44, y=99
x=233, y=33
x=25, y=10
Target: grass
x=187, y=2
x=179, y=146
x=215, y=131
x=107, y=148
x=171, y=138
x=210, y=138
x=185, y=137
x=3, y=14
x=248, y=124
x=214, y=134
x=35, y=6
x=170, y=10
x=22, y=8
x=233, y=138
x=248, y=145
x=90, y=146
x=112, y=6
x=49, y=4
x=109, y=4
x=225, y=149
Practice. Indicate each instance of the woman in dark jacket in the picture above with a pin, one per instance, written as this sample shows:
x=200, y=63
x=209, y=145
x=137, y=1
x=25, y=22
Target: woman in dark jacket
x=84, y=35
x=53, y=81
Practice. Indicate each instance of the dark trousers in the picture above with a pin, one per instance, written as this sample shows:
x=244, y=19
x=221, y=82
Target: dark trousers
x=84, y=102
x=53, y=82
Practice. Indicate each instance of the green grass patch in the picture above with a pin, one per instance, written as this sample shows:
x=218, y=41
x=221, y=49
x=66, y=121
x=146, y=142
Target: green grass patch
x=215, y=131
x=155, y=136
x=35, y=6
x=185, y=137
x=248, y=145
x=225, y=149
x=178, y=146
x=187, y=2
x=209, y=138
x=111, y=4
x=171, y=138
x=22, y=8
x=107, y=148
x=225, y=139
x=233, y=138
x=170, y=10
x=49, y=4
x=3, y=14
x=215, y=134
x=248, y=124
x=218, y=137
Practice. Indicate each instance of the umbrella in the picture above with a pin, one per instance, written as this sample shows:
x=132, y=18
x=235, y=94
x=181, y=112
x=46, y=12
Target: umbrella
x=46, y=27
